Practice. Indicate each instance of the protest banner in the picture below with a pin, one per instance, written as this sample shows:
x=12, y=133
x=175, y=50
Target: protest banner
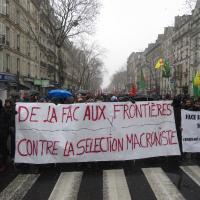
x=190, y=121
x=48, y=133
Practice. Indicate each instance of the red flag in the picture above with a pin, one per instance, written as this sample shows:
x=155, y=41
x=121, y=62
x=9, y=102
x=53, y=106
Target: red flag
x=133, y=91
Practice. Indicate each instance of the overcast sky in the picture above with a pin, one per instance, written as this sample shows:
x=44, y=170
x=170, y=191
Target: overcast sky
x=125, y=26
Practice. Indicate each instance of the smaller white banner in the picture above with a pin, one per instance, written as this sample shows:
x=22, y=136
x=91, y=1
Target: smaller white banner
x=190, y=130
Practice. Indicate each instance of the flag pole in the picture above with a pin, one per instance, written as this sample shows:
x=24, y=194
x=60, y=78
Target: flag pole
x=169, y=86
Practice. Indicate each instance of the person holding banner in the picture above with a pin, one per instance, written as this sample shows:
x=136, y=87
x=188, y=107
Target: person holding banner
x=3, y=122
x=10, y=127
x=188, y=104
x=177, y=115
x=196, y=106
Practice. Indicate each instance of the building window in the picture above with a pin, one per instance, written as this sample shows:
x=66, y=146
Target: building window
x=17, y=17
x=7, y=36
x=28, y=48
x=181, y=56
x=196, y=42
x=7, y=7
x=3, y=7
x=7, y=62
x=18, y=42
x=1, y=61
x=35, y=72
x=29, y=70
x=18, y=65
x=28, y=27
x=28, y=5
x=35, y=53
x=2, y=34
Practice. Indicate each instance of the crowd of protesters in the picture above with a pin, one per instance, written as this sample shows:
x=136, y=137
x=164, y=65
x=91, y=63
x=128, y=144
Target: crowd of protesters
x=7, y=114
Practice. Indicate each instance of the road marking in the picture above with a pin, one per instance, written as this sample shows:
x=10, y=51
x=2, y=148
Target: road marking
x=161, y=185
x=18, y=188
x=193, y=172
x=115, y=186
x=67, y=186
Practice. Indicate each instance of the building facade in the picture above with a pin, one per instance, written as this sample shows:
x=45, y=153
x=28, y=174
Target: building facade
x=153, y=53
x=28, y=58
x=194, y=43
x=19, y=53
x=134, y=65
x=180, y=46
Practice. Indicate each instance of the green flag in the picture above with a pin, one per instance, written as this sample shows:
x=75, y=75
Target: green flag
x=166, y=70
x=142, y=83
x=196, y=91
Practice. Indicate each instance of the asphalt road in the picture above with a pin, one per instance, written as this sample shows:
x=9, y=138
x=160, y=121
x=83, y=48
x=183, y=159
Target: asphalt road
x=160, y=178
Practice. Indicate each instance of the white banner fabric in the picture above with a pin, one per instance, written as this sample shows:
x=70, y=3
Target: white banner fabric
x=48, y=133
x=190, y=121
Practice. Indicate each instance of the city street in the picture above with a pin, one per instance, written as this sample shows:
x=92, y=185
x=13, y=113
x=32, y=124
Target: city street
x=161, y=178
x=99, y=100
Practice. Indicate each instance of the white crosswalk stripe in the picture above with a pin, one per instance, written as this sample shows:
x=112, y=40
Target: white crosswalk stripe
x=161, y=185
x=193, y=172
x=67, y=186
x=115, y=186
x=18, y=188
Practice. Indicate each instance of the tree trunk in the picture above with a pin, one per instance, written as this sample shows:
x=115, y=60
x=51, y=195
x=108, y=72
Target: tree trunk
x=60, y=69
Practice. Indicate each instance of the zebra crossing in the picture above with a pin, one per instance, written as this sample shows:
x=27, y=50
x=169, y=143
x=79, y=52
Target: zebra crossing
x=159, y=183
x=67, y=186
x=19, y=186
x=115, y=186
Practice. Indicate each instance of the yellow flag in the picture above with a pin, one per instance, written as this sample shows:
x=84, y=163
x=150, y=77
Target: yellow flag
x=159, y=64
x=197, y=79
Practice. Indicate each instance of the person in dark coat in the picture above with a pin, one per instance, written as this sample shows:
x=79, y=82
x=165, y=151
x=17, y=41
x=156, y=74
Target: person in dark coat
x=3, y=136
x=187, y=104
x=10, y=112
x=196, y=106
x=177, y=115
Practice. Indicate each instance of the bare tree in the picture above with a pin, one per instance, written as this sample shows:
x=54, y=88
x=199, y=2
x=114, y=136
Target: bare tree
x=88, y=65
x=190, y=4
x=68, y=18
x=64, y=19
x=118, y=81
x=94, y=74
